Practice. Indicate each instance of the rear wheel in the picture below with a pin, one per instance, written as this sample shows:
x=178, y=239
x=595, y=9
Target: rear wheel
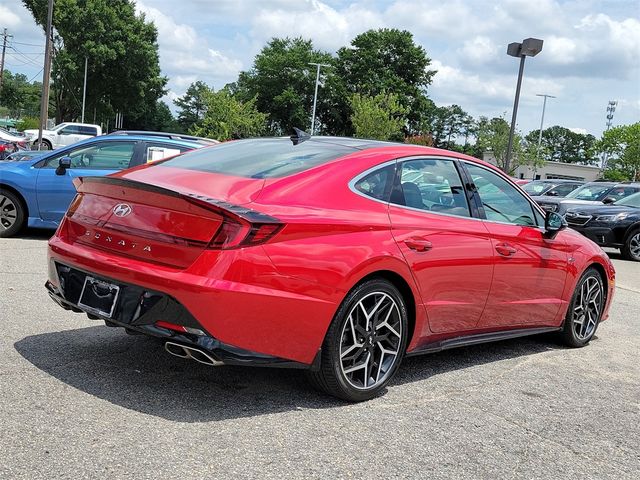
x=365, y=343
x=631, y=248
x=585, y=310
x=12, y=213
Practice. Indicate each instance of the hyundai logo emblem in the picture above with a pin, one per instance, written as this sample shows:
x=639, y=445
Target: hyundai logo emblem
x=122, y=210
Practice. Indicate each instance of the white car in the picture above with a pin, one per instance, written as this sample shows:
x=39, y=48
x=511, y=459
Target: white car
x=11, y=137
x=64, y=134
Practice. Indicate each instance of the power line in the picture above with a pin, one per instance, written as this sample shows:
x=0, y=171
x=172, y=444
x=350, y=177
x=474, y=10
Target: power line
x=27, y=44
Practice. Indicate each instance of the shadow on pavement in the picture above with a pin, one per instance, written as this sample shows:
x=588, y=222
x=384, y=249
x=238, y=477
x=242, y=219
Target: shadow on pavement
x=35, y=234
x=135, y=372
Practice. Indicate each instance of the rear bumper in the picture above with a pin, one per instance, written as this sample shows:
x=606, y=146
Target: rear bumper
x=140, y=309
x=242, y=306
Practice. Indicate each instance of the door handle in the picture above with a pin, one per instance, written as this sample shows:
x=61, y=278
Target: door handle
x=505, y=250
x=418, y=244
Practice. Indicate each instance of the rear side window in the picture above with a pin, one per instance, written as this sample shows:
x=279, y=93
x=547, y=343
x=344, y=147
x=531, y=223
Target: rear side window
x=158, y=151
x=259, y=158
x=433, y=185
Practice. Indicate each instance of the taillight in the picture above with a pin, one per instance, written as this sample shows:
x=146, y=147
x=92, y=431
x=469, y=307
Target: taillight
x=236, y=233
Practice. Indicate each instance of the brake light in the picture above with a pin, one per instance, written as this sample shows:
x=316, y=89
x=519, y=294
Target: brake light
x=238, y=233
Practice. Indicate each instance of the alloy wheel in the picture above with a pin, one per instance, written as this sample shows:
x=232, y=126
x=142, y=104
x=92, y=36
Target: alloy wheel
x=587, y=308
x=370, y=341
x=634, y=246
x=8, y=213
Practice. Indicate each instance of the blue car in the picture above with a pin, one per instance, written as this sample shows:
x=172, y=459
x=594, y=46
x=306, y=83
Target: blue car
x=37, y=191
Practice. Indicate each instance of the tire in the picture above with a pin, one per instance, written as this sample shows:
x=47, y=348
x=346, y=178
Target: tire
x=46, y=145
x=585, y=310
x=12, y=213
x=631, y=248
x=375, y=351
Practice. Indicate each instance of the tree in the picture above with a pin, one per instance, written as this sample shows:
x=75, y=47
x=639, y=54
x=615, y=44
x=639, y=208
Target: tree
x=282, y=82
x=228, y=118
x=493, y=135
x=380, y=117
x=192, y=105
x=157, y=117
x=621, y=145
x=123, y=68
x=559, y=144
x=20, y=96
x=382, y=61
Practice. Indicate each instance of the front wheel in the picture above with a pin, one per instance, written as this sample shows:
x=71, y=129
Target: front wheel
x=631, y=248
x=585, y=310
x=365, y=343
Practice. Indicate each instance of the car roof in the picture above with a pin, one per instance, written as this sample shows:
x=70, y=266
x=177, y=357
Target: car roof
x=165, y=135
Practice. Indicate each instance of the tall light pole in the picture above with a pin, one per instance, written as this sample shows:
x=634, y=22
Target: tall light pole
x=529, y=47
x=315, y=95
x=46, y=77
x=544, y=106
x=84, y=89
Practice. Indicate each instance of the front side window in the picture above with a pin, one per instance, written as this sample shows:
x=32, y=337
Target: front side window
x=377, y=184
x=70, y=130
x=630, y=201
x=433, y=185
x=104, y=155
x=562, y=190
x=500, y=200
x=621, y=192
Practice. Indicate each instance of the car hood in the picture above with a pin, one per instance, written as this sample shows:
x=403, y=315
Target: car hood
x=602, y=209
x=6, y=164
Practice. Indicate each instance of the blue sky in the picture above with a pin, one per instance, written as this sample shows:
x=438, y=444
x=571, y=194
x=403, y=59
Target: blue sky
x=591, y=53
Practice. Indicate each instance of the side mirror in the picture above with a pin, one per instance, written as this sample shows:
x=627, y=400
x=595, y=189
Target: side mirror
x=552, y=193
x=553, y=223
x=63, y=164
x=608, y=200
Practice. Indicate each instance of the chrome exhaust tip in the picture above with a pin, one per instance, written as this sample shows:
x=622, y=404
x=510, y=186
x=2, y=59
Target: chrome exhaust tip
x=191, y=353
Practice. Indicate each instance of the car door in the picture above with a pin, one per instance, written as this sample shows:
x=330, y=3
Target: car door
x=530, y=269
x=449, y=252
x=55, y=191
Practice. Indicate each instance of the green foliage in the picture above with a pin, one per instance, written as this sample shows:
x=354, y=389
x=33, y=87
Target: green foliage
x=446, y=124
x=28, y=123
x=282, y=82
x=380, y=61
x=157, y=117
x=228, y=118
x=493, y=135
x=192, y=105
x=380, y=117
x=124, y=71
x=560, y=144
x=622, y=147
x=19, y=96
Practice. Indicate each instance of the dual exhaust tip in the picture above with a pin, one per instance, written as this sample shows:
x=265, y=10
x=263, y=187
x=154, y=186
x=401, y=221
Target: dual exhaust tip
x=191, y=353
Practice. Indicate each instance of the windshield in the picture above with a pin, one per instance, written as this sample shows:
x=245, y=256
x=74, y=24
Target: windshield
x=537, y=188
x=589, y=192
x=630, y=201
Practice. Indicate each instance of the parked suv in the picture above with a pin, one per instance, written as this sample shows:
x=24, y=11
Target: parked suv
x=551, y=188
x=64, y=134
x=593, y=193
x=616, y=225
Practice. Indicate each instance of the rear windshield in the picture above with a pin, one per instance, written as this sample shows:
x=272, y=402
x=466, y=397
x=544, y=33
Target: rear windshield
x=259, y=158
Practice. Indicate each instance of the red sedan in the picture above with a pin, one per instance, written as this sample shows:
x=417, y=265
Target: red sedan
x=339, y=256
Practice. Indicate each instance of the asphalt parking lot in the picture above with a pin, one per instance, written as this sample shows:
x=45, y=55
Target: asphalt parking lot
x=80, y=400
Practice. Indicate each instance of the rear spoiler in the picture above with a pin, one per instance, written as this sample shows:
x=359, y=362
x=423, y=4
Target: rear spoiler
x=219, y=206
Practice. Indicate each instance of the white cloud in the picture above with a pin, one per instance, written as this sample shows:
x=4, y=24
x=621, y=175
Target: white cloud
x=9, y=19
x=581, y=131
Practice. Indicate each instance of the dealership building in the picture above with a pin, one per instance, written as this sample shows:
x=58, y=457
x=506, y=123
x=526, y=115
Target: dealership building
x=553, y=170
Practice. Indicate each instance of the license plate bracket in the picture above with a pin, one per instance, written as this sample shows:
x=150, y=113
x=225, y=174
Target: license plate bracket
x=99, y=297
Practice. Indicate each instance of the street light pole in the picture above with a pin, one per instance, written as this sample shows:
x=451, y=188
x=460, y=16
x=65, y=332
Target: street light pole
x=544, y=106
x=46, y=77
x=529, y=47
x=315, y=95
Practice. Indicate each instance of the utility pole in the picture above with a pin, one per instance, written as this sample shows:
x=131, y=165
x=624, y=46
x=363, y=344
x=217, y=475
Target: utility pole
x=4, y=49
x=46, y=77
x=315, y=95
x=84, y=89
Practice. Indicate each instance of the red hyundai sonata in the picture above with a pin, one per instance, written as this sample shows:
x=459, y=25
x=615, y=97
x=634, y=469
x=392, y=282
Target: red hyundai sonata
x=339, y=256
